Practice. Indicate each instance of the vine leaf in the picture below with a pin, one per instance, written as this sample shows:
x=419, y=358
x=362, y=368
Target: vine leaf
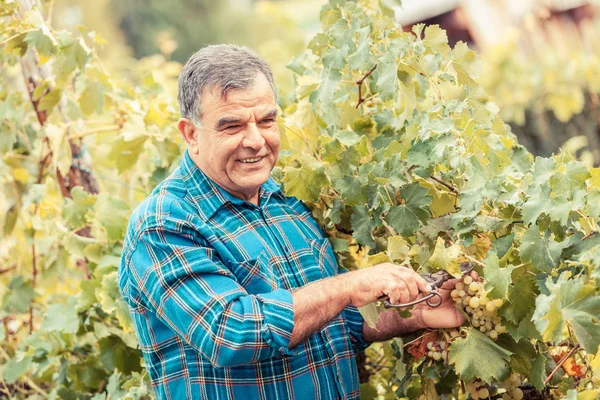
x=445, y=258
x=406, y=218
x=569, y=300
x=498, y=279
x=542, y=251
x=478, y=356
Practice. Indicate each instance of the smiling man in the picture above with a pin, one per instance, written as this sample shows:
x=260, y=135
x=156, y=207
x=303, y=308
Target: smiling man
x=233, y=289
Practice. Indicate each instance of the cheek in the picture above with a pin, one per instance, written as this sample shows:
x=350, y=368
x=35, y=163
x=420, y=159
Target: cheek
x=273, y=141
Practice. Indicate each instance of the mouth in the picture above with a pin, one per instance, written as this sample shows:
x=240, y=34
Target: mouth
x=253, y=160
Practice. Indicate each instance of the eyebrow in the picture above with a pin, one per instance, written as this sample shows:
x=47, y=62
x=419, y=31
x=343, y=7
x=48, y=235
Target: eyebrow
x=271, y=114
x=226, y=121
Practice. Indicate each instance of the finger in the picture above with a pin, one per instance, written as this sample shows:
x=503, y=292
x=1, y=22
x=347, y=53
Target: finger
x=411, y=286
x=450, y=284
x=399, y=293
x=422, y=284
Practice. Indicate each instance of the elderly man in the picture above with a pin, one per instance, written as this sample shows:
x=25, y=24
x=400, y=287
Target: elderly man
x=233, y=289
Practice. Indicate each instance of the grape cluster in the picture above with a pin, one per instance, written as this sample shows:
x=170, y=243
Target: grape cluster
x=437, y=350
x=477, y=390
x=511, y=385
x=472, y=298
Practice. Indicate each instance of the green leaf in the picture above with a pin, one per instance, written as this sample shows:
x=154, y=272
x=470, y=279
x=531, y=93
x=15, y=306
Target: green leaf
x=572, y=300
x=536, y=204
x=406, y=218
x=75, y=209
x=523, y=353
x=16, y=368
x=351, y=190
x=62, y=318
x=114, y=353
x=20, y=294
x=126, y=151
x=305, y=182
x=42, y=40
x=477, y=356
x=542, y=251
x=498, y=279
x=503, y=244
x=49, y=100
x=538, y=372
x=543, y=169
x=92, y=98
x=569, y=178
x=387, y=80
x=361, y=59
x=74, y=55
x=113, y=215
x=362, y=226
x=521, y=299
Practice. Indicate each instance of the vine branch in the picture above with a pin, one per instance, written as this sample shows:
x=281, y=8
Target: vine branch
x=441, y=182
x=360, y=82
x=560, y=363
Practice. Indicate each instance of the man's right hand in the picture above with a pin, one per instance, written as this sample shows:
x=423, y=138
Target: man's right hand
x=399, y=284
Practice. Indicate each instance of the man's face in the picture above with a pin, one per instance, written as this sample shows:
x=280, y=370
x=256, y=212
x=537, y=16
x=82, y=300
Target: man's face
x=237, y=144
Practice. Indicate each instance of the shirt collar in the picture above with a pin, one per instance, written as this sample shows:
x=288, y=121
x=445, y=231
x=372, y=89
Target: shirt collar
x=210, y=197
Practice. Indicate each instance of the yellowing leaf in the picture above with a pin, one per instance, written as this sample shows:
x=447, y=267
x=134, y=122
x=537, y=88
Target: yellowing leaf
x=595, y=177
x=445, y=258
x=397, y=248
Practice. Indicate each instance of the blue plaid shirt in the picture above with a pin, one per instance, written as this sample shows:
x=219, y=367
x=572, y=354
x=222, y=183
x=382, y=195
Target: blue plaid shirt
x=209, y=277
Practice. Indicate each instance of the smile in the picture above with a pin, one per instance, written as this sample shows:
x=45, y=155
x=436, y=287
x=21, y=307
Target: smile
x=251, y=160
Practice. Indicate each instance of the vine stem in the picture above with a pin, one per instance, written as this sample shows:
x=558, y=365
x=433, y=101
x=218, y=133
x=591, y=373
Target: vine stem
x=561, y=362
x=441, y=182
x=589, y=235
x=4, y=270
x=476, y=261
x=360, y=82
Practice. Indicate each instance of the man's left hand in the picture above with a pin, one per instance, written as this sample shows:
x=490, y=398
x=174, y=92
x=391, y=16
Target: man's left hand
x=446, y=315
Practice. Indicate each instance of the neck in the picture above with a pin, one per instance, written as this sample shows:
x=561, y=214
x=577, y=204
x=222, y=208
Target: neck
x=249, y=197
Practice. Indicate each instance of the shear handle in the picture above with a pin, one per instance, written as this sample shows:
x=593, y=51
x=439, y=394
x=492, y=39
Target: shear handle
x=426, y=299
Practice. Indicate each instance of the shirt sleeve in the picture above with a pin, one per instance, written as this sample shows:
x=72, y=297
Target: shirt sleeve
x=191, y=291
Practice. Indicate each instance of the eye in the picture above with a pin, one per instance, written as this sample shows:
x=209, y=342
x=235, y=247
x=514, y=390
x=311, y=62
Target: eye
x=267, y=121
x=232, y=127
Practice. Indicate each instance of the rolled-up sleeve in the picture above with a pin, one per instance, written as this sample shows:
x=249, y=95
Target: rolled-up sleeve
x=354, y=321
x=189, y=289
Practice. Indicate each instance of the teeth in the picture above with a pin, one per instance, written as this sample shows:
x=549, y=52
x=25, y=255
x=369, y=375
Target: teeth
x=251, y=160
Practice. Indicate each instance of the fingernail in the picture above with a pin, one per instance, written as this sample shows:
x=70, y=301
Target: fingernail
x=429, y=288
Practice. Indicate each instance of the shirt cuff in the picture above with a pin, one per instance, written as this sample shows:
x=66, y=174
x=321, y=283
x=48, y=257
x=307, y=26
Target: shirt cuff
x=279, y=320
x=354, y=321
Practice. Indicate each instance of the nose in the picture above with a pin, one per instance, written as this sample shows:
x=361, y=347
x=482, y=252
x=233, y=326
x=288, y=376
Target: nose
x=253, y=138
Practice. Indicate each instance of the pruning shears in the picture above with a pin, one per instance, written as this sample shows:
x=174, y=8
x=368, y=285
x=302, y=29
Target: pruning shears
x=435, y=280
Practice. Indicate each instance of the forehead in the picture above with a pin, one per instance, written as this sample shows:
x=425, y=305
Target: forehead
x=256, y=97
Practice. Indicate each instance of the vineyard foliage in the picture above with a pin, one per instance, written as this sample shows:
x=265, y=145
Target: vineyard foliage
x=390, y=140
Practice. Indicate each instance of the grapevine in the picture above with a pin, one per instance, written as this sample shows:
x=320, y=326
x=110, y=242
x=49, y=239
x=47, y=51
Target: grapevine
x=403, y=158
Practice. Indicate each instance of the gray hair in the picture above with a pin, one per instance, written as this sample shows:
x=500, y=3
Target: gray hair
x=222, y=66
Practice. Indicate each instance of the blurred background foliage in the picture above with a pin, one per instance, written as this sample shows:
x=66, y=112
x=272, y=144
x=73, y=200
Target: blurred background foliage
x=541, y=57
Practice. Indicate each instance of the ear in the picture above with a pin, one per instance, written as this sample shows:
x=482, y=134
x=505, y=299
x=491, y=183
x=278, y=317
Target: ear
x=188, y=131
